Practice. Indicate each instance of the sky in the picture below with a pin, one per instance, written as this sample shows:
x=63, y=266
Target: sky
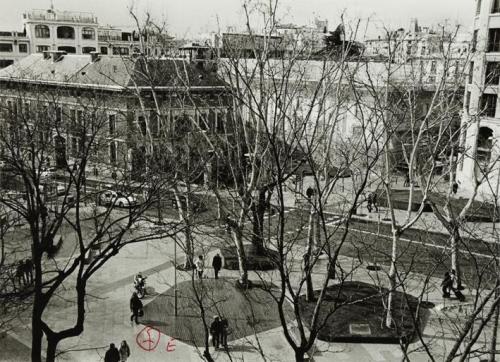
x=187, y=18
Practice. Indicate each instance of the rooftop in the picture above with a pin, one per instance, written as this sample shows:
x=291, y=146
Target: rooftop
x=110, y=72
x=63, y=16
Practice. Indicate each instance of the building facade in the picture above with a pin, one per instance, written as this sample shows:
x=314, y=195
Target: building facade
x=75, y=33
x=481, y=114
x=112, y=96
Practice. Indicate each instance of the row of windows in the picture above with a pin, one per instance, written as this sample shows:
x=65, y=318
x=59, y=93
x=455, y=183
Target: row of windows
x=67, y=49
x=9, y=48
x=63, y=32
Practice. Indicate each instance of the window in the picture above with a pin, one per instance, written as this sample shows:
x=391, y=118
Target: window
x=121, y=51
x=104, y=50
x=489, y=104
x=72, y=116
x=495, y=7
x=484, y=146
x=65, y=32
x=23, y=48
x=492, y=73
x=471, y=72
x=6, y=47
x=87, y=50
x=74, y=146
x=5, y=63
x=88, y=34
x=112, y=124
x=474, y=41
x=494, y=40
x=58, y=115
x=42, y=31
x=203, y=120
x=433, y=67
x=42, y=48
x=142, y=125
x=478, y=7
x=153, y=123
x=112, y=152
x=69, y=50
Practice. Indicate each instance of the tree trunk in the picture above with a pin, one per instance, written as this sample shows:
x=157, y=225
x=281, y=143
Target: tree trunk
x=36, y=332
x=242, y=260
x=299, y=355
x=307, y=256
x=455, y=263
x=258, y=213
x=51, y=349
x=189, y=263
x=392, y=280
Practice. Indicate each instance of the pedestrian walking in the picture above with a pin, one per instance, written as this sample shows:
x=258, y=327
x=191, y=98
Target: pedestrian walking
x=112, y=354
x=369, y=202
x=455, y=188
x=375, y=201
x=28, y=271
x=407, y=180
x=124, y=351
x=135, y=307
x=200, y=265
x=215, y=331
x=20, y=275
x=217, y=265
x=224, y=331
x=446, y=285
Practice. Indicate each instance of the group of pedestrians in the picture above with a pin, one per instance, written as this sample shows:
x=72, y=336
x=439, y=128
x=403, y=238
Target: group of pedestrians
x=216, y=264
x=114, y=354
x=219, y=329
x=24, y=272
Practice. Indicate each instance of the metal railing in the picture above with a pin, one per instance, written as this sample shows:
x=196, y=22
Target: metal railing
x=71, y=16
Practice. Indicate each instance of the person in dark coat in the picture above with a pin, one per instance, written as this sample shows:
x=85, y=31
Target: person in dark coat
x=28, y=271
x=20, y=275
x=112, y=354
x=217, y=265
x=446, y=285
x=216, y=331
x=135, y=307
x=224, y=331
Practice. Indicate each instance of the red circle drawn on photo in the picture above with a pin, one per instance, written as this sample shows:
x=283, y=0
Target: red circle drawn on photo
x=148, y=338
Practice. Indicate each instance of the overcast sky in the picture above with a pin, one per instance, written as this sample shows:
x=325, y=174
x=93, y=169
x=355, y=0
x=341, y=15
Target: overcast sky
x=190, y=17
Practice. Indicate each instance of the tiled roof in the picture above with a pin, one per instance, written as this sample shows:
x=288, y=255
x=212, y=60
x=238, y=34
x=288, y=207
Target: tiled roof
x=109, y=72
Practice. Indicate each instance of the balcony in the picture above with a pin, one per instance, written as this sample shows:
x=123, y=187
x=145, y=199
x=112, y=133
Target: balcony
x=54, y=15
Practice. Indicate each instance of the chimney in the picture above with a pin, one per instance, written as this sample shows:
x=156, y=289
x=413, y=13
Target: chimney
x=94, y=56
x=58, y=56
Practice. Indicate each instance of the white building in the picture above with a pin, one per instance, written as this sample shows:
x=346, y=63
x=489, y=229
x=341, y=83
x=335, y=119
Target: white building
x=75, y=33
x=481, y=114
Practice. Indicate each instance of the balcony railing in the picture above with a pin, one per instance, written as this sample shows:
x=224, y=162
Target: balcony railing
x=70, y=16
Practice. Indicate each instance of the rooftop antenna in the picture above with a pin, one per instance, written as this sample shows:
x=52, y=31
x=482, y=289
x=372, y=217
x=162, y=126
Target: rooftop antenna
x=52, y=5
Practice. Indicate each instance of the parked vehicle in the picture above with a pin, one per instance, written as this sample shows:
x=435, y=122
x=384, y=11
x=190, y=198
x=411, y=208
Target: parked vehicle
x=110, y=198
x=47, y=173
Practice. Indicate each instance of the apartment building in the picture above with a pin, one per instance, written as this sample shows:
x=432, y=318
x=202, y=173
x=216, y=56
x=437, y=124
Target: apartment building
x=75, y=33
x=481, y=114
x=77, y=92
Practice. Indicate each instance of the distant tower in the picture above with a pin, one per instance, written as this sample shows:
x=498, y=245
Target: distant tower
x=414, y=28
